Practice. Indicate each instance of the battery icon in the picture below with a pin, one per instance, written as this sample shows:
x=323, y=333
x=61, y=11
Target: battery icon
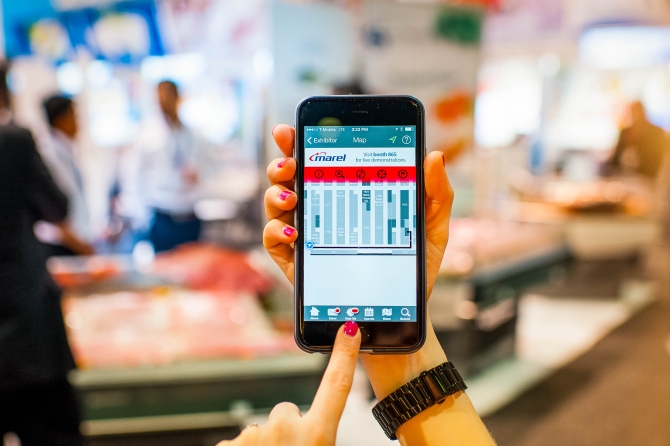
x=408, y=129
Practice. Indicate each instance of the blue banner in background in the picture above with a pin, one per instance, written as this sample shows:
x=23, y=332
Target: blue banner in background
x=17, y=17
x=122, y=33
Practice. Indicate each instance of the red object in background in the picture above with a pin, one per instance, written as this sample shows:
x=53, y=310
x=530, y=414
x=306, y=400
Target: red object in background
x=69, y=272
x=495, y=5
x=164, y=326
x=453, y=107
x=363, y=173
x=453, y=149
x=205, y=267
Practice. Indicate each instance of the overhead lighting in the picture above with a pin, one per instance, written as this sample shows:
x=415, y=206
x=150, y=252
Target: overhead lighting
x=70, y=78
x=182, y=68
x=620, y=47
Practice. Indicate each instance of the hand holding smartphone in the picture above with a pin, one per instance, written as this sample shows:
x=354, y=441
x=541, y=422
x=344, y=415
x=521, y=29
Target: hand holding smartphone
x=360, y=251
x=387, y=372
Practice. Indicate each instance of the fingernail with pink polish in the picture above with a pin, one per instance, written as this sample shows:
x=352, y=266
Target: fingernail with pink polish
x=273, y=128
x=280, y=164
x=444, y=162
x=289, y=231
x=285, y=194
x=350, y=328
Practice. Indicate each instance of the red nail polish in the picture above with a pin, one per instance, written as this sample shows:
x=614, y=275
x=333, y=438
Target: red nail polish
x=280, y=164
x=289, y=231
x=444, y=163
x=285, y=194
x=350, y=328
x=273, y=128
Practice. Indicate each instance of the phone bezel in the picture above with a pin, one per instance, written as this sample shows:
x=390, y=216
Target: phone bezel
x=354, y=110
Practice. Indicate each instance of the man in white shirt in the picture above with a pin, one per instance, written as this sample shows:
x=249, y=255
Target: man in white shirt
x=161, y=183
x=58, y=151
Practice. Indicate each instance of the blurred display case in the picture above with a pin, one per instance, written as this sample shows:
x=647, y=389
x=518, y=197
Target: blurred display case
x=188, y=345
x=487, y=267
x=604, y=218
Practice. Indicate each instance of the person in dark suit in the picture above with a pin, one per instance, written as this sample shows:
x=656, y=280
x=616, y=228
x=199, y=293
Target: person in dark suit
x=641, y=147
x=37, y=403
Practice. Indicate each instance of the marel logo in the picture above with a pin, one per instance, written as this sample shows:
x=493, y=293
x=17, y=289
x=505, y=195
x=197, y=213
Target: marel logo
x=323, y=156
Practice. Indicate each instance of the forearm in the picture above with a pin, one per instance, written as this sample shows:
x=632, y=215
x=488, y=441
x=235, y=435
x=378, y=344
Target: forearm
x=388, y=372
x=74, y=243
x=454, y=422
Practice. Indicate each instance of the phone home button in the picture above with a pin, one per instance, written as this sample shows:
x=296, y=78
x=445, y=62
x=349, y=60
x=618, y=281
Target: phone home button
x=364, y=334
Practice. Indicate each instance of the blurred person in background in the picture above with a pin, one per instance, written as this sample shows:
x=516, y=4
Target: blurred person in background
x=355, y=87
x=37, y=402
x=641, y=147
x=58, y=150
x=162, y=180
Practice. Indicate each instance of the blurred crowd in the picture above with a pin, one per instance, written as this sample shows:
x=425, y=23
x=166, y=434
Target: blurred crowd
x=155, y=193
x=44, y=213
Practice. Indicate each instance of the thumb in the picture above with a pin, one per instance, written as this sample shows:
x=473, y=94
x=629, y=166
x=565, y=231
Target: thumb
x=439, y=195
x=439, y=198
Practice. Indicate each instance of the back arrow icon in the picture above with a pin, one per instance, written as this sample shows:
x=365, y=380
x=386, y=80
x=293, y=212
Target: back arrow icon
x=309, y=140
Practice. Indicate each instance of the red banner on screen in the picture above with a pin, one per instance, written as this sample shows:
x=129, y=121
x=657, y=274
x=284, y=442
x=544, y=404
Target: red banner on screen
x=363, y=173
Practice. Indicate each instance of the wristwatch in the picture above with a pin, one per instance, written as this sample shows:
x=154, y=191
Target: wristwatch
x=431, y=387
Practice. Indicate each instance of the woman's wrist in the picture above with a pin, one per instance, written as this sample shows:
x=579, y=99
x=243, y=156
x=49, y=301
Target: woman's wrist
x=388, y=372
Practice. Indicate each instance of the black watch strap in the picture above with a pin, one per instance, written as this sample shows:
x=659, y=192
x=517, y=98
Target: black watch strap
x=431, y=387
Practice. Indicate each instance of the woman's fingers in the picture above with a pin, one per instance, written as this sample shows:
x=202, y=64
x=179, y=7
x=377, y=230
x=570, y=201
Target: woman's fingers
x=284, y=136
x=277, y=237
x=277, y=233
x=335, y=386
x=250, y=436
x=280, y=201
x=282, y=171
x=284, y=411
x=279, y=204
x=437, y=184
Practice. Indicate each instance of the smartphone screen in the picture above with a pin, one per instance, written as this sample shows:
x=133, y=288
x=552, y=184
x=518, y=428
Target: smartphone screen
x=360, y=223
x=360, y=251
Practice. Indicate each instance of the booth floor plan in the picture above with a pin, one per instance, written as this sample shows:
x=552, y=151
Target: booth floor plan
x=360, y=217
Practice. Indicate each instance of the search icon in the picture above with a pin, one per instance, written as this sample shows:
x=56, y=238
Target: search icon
x=405, y=312
x=339, y=174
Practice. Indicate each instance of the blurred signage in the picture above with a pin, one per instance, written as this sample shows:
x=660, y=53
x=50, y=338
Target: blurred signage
x=525, y=21
x=583, y=13
x=121, y=33
x=62, y=5
x=311, y=58
x=528, y=21
x=621, y=47
x=16, y=19
x=431, y=52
